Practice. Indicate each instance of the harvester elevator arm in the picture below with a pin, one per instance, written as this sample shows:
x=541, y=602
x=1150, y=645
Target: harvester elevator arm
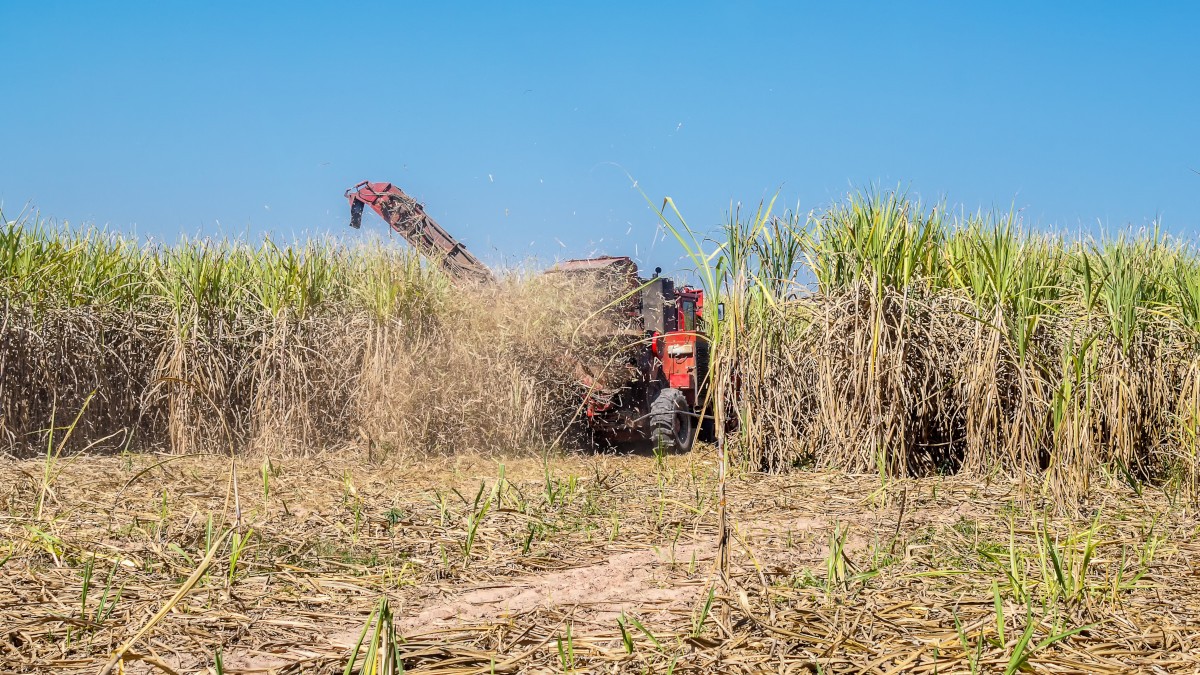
x=409, y=220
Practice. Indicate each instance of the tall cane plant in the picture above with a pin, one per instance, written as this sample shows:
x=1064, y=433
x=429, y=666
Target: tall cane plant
x=735, y=290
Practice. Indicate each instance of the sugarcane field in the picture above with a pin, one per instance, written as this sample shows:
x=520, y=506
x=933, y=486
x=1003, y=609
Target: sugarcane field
x=683, y=339
x=965, y=447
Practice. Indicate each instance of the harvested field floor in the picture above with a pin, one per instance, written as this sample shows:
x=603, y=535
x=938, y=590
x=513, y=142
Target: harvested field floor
x=603, y=563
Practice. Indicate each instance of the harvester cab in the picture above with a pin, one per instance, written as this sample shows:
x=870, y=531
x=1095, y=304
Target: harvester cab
x=655, y=389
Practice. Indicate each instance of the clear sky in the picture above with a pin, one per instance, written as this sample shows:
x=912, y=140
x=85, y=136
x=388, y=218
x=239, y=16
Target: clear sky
x=517, y=123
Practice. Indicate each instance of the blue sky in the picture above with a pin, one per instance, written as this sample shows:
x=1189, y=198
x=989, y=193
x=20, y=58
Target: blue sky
x=517, y=124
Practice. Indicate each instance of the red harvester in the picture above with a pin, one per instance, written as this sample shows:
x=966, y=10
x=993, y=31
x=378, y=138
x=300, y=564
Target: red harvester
x=657, y=392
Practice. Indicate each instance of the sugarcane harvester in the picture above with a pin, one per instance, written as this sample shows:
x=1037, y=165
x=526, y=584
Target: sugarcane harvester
x=655, y=390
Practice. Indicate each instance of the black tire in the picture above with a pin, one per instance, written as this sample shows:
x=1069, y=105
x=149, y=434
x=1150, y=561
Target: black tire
x=672, y=428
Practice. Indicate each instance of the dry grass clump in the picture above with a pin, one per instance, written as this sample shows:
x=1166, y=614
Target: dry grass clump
x=50, y=363
x=886, y=415
x=218, y=346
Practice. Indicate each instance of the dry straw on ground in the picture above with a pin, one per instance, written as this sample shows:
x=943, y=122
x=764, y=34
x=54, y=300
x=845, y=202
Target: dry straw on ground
x=593, y=564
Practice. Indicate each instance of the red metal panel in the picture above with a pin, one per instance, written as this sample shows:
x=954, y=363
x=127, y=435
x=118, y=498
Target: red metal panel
x=679, y=362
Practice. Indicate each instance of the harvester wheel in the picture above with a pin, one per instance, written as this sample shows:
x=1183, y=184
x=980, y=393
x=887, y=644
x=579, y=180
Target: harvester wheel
x=671, y=425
